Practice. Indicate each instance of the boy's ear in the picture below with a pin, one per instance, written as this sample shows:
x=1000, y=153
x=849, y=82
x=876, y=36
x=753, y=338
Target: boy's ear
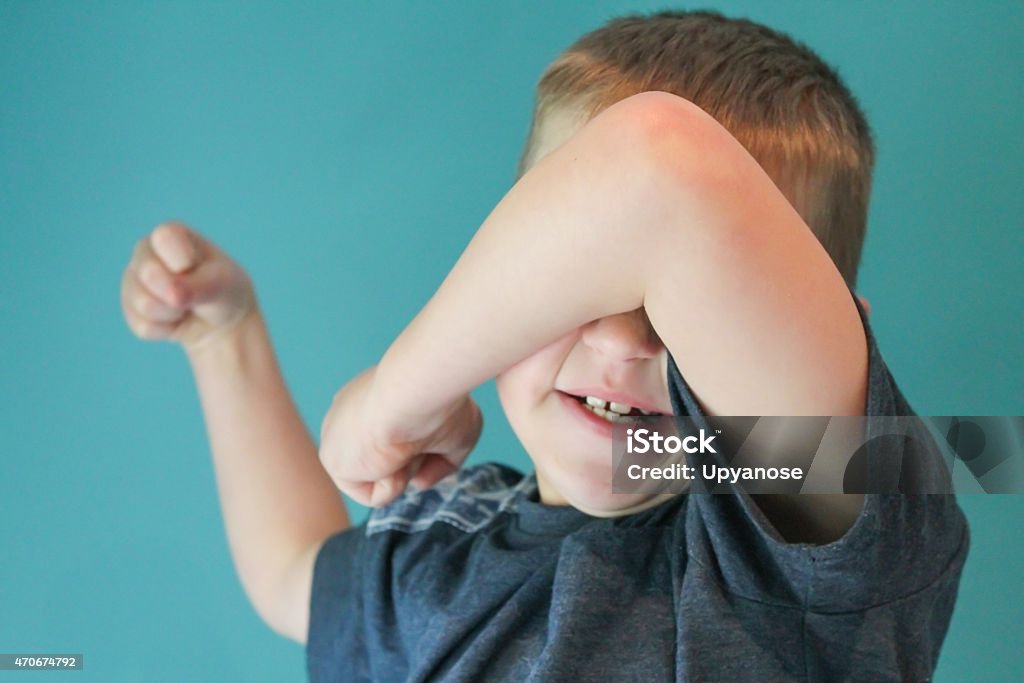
x=865, y=304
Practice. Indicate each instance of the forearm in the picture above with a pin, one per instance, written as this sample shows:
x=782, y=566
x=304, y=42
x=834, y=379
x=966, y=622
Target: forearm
x=523, y=279
x=276, y=498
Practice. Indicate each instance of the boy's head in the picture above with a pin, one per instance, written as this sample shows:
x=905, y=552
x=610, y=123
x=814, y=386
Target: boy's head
x=793, y=115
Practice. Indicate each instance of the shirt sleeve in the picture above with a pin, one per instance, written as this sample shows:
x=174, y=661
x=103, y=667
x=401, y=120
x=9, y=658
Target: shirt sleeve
x=898, y=545
x=335, y=607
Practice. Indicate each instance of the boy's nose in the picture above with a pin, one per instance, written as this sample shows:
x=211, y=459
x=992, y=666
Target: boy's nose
x=625, y=336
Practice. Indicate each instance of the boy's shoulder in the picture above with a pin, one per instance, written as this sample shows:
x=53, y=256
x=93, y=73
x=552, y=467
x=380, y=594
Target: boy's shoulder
x=466, y=499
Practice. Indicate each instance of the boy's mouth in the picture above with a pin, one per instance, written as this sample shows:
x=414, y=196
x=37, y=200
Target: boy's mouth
x=610, y=410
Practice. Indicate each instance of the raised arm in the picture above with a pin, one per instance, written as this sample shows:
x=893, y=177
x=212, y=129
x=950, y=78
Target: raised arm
x=653, y=204
x=277, y=501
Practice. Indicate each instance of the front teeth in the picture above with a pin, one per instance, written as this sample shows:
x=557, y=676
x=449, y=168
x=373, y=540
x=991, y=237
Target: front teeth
x=609, y=415
x=615, y=412
x=620, y=408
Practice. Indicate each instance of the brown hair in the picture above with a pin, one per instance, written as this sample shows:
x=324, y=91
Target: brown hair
x=787, y=107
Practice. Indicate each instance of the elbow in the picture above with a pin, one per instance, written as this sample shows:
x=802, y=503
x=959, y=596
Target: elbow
x=668, y=127
x=674, y=148
x=280, y=598
x=266, y=602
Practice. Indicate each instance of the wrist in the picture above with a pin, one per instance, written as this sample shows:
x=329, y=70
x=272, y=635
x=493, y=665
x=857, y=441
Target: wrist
x=386, y=410
x=398, y=414
x=230, y=344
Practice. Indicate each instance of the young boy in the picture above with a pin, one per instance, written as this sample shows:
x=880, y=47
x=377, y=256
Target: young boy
x=683, y=239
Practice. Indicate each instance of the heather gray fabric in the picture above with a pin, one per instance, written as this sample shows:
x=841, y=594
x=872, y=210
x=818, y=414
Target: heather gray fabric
x=475, y=580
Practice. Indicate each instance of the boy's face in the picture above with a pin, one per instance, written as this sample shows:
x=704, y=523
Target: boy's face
x=619, y=358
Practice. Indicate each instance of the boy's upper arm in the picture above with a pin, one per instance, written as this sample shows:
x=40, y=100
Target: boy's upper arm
x=749, y=303
x=756, y=315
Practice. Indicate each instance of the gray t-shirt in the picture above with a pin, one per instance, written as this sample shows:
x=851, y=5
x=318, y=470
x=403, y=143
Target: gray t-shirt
x=475, y=580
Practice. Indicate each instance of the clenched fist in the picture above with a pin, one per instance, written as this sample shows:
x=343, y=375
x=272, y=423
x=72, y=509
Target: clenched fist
x=372, y=455
x=180, y=287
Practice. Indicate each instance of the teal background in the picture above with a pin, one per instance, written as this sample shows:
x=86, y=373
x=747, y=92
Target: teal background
x=345, y=153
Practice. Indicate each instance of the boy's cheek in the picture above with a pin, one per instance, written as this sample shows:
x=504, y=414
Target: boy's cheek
x=537, y=372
